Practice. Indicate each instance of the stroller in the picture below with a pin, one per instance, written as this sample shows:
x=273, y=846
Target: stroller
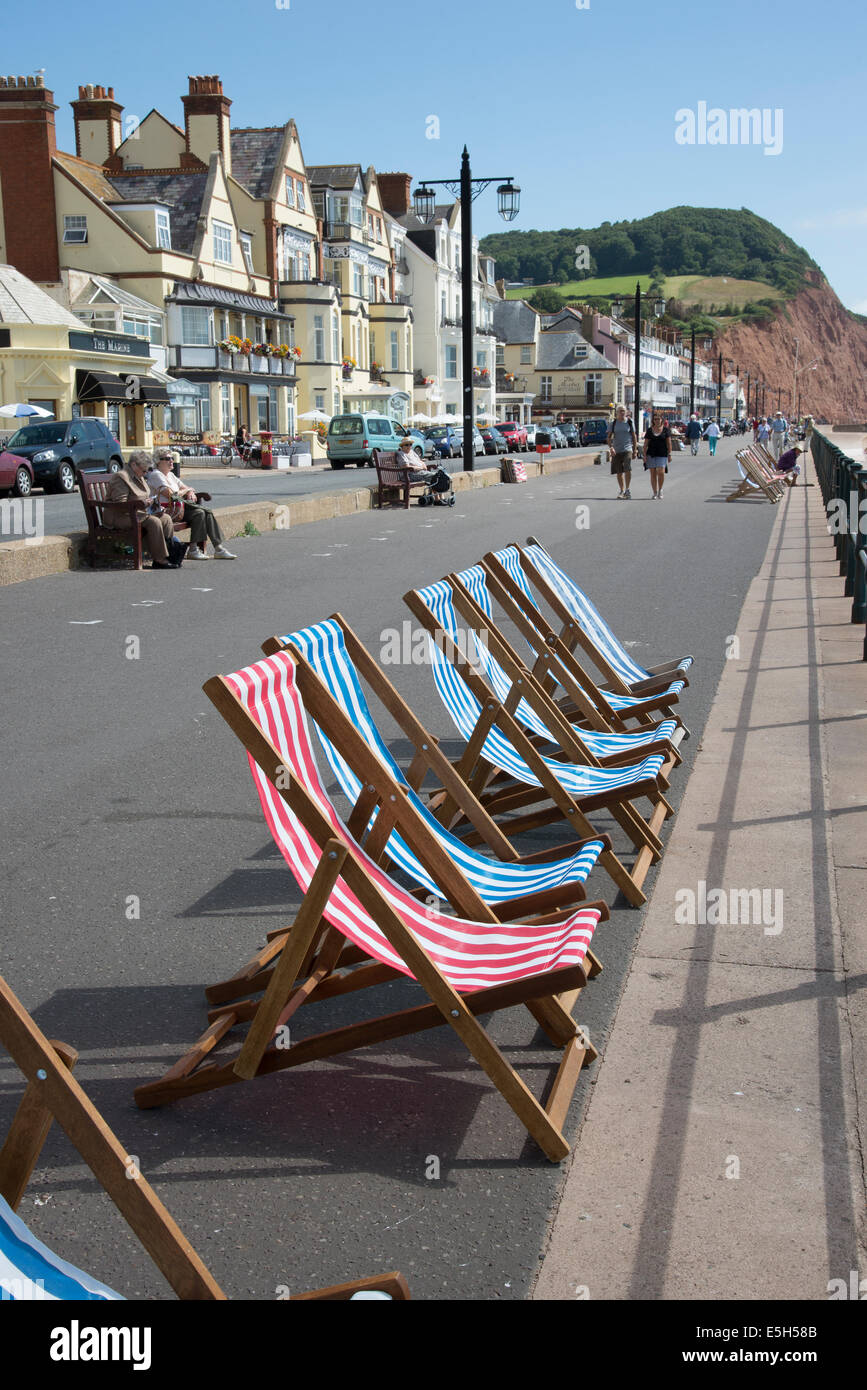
x=439, y=492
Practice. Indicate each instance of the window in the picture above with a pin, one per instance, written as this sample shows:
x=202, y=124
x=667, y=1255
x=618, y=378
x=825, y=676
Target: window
x=300, y=201
x=318, y=339
x=443, y=305
x=74, y=229
x=593, y=386
x=302, y=265
x=357, y=279
x=319, y=403
x=356, y=212
x=335, y=338
x=164, y=233
x=225, y=409
x=501, y=355
x=195, y=326
x=247, y=250
x=336, y=400
x=451, y=362
x=222, y=243
x=526, y=356
x=319, y=204
x=394, y=350
x=290, y=190
x=546, y=391
x=481, y=360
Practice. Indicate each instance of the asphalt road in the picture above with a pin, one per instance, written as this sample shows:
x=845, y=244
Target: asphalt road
x=59, y=513
x=121, y=780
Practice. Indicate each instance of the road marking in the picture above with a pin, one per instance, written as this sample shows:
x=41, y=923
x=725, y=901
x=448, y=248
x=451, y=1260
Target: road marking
x=84, y=622
x=197, y=590
x=147, y=603
x=321, y=555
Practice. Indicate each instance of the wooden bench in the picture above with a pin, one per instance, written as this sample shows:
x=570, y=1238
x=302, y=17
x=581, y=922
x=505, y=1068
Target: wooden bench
x=392, y=475
x=93, y=488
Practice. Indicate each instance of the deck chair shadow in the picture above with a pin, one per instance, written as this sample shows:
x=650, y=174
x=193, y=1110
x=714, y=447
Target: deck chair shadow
x=29, y=1270
x=508, y=772
x=357, y=928
x=582, y=625
x=556, y=667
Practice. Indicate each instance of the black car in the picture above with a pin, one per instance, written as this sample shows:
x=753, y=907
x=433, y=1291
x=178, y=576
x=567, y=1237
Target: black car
x=495, y=443
x=56, y=448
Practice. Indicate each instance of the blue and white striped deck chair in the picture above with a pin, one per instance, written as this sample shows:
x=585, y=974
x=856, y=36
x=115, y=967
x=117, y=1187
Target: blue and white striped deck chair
x=511, y=887
x=497, y=741
x=28, y=1269
x=584, y=624
x=545, y=720
x=555, y=664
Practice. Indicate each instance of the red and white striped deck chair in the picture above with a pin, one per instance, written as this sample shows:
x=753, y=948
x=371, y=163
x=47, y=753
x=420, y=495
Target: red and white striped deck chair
x=353, y=915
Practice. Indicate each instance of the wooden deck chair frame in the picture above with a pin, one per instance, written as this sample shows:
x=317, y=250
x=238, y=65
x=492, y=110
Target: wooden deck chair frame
x=757, y=479
x=556, y=666
x=572, y=635
x=311, y=967
x=385, y=797
x=52, y=1093
x=500, y=795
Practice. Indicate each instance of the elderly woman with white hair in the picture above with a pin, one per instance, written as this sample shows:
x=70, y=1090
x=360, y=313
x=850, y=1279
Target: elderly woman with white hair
x=158, y=532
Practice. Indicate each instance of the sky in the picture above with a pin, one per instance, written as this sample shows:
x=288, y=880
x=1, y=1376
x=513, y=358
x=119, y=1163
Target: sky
x=580, y=101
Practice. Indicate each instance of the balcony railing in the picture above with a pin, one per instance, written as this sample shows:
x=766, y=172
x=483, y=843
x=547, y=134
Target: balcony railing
x=190, y=359
x=343, y=231
x=581, y=400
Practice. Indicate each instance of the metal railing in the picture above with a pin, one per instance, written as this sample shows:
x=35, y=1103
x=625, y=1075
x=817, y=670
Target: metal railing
x=843, y=484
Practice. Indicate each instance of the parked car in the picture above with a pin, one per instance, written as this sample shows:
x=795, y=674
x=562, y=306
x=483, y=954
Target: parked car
x=422, y=446
x=594, y=431
x=478, y=442
x=446, y=440
x=570, y=434
x=558, y=440
x=494, y=442
x=353, y=438
x=515, y=433
x=56, y=448
x=16, y=474
x=531, y=436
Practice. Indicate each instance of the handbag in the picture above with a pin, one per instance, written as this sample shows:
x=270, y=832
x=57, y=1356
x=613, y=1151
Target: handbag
x=170, y=503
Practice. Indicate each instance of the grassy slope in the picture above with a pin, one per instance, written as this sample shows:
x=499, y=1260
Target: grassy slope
x=691, y=289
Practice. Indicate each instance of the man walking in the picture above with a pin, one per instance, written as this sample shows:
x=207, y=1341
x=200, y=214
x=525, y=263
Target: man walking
x=779, y=433
x=622, y=449
x=693, y=434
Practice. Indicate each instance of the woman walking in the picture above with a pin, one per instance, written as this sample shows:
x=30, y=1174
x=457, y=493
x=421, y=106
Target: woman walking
x=657, y=453
x=712, y=435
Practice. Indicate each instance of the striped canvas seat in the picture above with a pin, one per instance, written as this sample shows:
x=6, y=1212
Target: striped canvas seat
x=601, y=745
x=510, y=559
x=465, y=710
x=324, y=648
x=30, y=1271
x=469, y=955
x=589, y=620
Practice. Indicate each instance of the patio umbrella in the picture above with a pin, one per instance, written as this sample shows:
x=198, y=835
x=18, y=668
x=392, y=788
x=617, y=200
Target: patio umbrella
x=421, y=419
x=19, y=409
x=318, y=415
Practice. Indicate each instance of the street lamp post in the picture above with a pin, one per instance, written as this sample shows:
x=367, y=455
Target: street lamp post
x=467, y=189
x=657, y=312
x=692, y=372
x=719, y=391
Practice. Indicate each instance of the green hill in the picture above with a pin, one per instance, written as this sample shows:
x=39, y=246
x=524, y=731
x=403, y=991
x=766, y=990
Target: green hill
x=694, y=243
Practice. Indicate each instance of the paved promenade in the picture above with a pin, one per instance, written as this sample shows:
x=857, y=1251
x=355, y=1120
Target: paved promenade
x=721, y=1155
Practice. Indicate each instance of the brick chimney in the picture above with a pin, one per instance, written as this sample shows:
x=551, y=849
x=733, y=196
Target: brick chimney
x=27, y=146
x=97, y=123
x=206, y=120
x=395, y=190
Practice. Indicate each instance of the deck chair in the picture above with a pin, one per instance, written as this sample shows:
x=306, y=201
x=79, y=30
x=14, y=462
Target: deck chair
x=29, y=1270
x=353, y=915
x=389, y=817
x=555, y=666
x=755, y=479
x=508, y=772
x=584, y=626
x=536, y=709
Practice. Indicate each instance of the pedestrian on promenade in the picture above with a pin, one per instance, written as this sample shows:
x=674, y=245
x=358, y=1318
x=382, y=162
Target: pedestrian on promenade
x=622, y=449
x=711, y=434
x=763, y=433
x=779, y=433
x=755, y=429
x=168, y=489
x=789, y=463
x=693, y=434
x=157, y=528
x=657, y=453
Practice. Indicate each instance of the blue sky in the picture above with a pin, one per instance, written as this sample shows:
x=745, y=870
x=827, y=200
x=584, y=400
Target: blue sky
x=577, y=104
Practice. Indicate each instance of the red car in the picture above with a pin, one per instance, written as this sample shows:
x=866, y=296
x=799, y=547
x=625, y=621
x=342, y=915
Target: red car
x=515, y=434
x=16, y=475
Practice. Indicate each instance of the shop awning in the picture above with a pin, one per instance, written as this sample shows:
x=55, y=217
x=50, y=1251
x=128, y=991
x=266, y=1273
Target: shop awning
x=108, y=386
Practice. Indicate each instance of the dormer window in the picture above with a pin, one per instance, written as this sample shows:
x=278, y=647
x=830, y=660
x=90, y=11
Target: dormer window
x=247, y=250
x=300, y=201
x=290, y=190
x=222, y=243
x=164, y=232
